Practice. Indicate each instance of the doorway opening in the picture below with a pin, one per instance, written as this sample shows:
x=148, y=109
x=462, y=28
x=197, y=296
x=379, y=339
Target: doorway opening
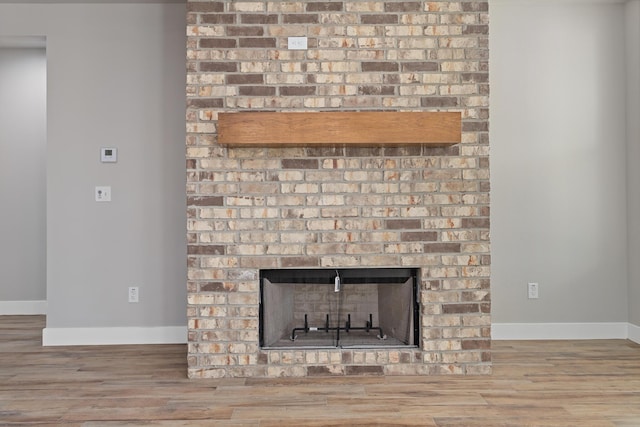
x=23, y=134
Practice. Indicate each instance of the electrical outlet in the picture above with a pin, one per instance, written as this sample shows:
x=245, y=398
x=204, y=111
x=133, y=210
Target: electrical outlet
x=134, y=294
x=533, y=290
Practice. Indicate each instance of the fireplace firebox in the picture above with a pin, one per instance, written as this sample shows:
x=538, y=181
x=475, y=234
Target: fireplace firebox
x=343, y=308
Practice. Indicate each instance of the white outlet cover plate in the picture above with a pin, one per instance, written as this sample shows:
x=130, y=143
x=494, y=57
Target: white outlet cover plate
x=103, y=193
x=134, y=294
x=533, y=290
x=297, y=43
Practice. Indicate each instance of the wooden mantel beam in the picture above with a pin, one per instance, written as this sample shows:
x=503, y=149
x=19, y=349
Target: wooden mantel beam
x=338, y=128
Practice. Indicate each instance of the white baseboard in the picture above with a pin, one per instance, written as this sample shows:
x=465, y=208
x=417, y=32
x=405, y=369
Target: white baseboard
x=114, y=336
x=560, y=331
x=178, y=334
x=14, y=308
x=634, y=333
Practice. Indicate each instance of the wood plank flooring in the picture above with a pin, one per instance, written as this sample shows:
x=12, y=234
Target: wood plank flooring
x=535, y=383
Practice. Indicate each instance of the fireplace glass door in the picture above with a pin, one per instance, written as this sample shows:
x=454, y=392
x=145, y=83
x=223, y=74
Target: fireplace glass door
x=348, y=308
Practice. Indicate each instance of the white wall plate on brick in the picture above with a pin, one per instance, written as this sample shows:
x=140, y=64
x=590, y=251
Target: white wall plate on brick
x=297, y=43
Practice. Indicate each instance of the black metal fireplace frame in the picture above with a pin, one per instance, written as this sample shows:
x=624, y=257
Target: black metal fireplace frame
x=347, y=276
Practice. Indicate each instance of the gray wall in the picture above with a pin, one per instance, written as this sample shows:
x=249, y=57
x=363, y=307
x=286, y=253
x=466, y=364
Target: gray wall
x=558, y=161
x=116, y=77
x=23, y=100
x=558, y=156
x=633, y=159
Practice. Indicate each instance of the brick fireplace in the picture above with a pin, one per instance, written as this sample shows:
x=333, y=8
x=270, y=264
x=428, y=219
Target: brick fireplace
x=337, y=206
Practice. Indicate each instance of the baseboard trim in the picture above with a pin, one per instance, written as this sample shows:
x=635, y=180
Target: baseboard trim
x=114, y=336
x=634, y=333
x=560, y=331
x=20, y=308
x=178, y=334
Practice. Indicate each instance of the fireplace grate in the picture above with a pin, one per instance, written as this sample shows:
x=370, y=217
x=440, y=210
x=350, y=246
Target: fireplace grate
x=346, y=328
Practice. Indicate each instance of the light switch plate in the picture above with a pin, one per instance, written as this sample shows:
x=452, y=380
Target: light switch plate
x=103, y=194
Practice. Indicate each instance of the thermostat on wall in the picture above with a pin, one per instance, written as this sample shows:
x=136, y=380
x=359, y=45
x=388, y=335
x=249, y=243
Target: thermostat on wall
x=108, y=155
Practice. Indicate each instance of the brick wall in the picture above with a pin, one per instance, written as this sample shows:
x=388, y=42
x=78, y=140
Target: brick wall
x=414, y=206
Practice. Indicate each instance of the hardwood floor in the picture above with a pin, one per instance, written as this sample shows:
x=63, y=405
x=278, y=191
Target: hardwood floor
x=535, y=383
